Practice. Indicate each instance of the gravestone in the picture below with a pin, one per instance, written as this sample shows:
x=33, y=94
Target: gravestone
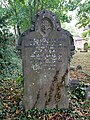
x=88, y=91
x=86, y=47
x=74, y=83
x=46, y=51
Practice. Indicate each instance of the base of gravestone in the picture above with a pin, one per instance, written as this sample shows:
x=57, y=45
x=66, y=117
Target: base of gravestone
x=43, y=94
x=62, y=104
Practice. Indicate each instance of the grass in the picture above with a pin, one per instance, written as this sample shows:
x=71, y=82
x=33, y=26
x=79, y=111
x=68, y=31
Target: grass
x=83, y=59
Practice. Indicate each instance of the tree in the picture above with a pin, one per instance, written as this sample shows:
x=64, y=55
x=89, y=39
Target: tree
x=8, y=59
x=18, y=13
x=84, y=13
x=22, y=12
x=84, y=17
x=60, y=7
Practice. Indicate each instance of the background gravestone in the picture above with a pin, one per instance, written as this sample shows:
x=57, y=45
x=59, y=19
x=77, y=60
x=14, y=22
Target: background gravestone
x=46, y=50
x=86, y=47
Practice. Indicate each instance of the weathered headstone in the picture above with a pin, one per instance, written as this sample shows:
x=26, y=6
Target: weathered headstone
x=86, y=47
x=46, y=50
x=74, y=83
x=88, y=91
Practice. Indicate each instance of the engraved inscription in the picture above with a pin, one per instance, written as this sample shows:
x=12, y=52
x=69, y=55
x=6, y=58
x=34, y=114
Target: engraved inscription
x=45, y=53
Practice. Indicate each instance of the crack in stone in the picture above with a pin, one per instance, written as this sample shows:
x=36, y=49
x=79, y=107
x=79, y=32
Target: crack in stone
x=52, y=88
x=38, y=95
x=58, y=88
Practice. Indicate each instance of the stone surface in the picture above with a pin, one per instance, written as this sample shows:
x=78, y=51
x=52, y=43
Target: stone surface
x=86, y=47
x=46, y=51
x=74, y=83
x=87, y=91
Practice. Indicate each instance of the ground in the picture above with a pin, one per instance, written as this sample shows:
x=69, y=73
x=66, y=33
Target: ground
x=11, y=101
x=83, y=59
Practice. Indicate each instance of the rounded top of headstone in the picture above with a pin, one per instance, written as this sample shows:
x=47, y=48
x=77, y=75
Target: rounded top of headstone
x=46, y=22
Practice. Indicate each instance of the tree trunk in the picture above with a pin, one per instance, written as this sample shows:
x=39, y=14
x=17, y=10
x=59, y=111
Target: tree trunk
x=18, y=29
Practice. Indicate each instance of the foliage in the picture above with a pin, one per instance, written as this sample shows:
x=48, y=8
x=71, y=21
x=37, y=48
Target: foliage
x=21, y=12
x=8, y=57
x=60, y=7
x=11, y=96
x=89, y=45
x=12, y=106
x=79, y=93
x=84, y=13
x=86, y=34
x=18, y=15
